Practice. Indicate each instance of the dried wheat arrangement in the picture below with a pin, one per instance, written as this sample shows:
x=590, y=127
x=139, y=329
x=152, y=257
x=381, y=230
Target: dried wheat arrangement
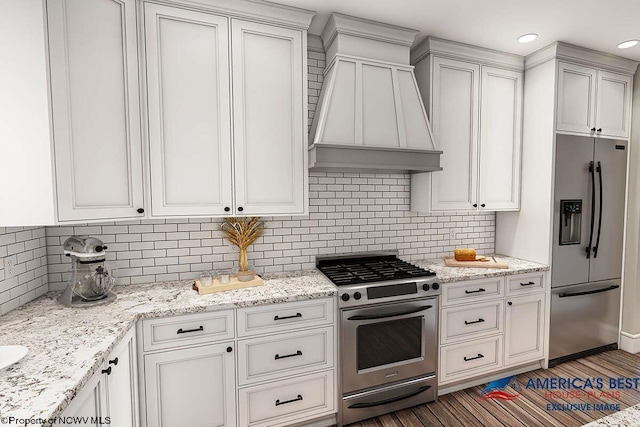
x=242, y=232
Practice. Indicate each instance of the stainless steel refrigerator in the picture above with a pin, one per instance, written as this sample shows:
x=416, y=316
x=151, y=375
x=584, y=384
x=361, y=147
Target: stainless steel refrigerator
x=589, y=201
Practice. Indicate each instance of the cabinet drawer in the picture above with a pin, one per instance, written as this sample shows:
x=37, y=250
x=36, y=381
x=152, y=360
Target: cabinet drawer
x=285, y=402
x=471, y=321
x=187, y=330
x=462, y=361
x=284, y=317
x=525, y=283
x=472, y=291
x=281, y=355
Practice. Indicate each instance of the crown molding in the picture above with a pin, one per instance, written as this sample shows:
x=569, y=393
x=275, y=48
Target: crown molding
x=456, y=50
x=367, y=29
x=582, y=56
x=256, y=10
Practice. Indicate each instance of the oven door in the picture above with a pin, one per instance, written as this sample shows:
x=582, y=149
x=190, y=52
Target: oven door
x=386, y=343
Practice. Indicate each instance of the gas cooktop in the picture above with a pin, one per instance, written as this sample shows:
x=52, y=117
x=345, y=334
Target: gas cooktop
x=370, y=269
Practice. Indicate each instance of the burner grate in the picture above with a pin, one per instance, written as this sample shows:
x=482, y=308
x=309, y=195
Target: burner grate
x=366, y=270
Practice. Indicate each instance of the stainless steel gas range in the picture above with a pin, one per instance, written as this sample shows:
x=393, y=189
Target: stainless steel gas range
x=388, y=333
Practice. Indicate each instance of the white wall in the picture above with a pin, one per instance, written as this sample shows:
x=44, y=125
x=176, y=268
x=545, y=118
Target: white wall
x=631, y=296
x=26, y=192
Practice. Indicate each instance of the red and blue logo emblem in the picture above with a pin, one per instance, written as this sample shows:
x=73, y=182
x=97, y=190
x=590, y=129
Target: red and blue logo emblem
x=505, y=389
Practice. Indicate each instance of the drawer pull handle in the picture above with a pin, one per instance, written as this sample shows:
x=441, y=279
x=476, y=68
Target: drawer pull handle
x=113, y=362
x=275, y=318
x=107, y=371
x=475, y=321
x=278, y=403
x=475, y=292
x=527, y=284
x=181, y=331
x=479, y=356
x=297, y=353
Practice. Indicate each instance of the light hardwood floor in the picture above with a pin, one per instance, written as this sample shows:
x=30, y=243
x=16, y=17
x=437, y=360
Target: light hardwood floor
x=465, y=408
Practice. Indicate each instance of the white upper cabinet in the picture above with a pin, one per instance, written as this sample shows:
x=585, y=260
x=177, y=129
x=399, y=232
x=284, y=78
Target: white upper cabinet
x=454, y=120
x=227, y=115
x=269, y=120
x=592, y=101
x=613, y=104
x=500, y=140
x=189, y=111
x=576, y=98
x=95, y=104
x=474, y=99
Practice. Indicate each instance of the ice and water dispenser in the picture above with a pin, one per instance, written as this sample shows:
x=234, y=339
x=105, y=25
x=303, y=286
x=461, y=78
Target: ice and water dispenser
x=570, y=221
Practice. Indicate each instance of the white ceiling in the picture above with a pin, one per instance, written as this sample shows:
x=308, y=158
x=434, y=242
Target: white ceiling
x=596, y=24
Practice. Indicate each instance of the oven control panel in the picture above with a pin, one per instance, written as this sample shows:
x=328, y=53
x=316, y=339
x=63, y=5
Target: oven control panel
x=372, y=293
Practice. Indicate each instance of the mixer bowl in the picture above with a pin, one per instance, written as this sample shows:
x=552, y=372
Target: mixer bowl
x=94, y=285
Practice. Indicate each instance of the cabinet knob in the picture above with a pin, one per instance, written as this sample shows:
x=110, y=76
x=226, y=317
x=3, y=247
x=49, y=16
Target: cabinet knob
x=509, y=302
x=113, y=362
x=593, y=129
x=240, y=208
x=482, y=205
x=475, y=205
x=140, y=210
x=229, y=349
x=107, y=371
x=599, y=130
x=227, y=209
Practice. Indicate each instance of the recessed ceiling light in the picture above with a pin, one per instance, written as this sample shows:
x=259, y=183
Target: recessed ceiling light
x=527, y=38
x=628, y=44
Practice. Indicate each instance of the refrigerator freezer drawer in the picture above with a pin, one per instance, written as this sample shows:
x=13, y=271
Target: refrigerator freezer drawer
x=584, y=317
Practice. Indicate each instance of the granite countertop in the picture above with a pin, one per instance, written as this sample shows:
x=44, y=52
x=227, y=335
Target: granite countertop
x=626, y=417
x=457, y=274
x=67, y=345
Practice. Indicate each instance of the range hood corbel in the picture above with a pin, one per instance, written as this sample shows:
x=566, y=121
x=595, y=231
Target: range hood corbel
x=370, y=116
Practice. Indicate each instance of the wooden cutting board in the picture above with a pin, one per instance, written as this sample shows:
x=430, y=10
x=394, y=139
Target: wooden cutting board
x=234, y=283
x=498, y=263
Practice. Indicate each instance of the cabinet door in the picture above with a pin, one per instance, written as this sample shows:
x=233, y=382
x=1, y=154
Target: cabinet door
x=613, y=104
x=576, y=98
x=454, y=119
x=524, y=329
x=500, y=139
x=269, y=119
x=189, y=111
x=122, y=383
x=193, y=386
x=90, y=403
x=96, y=117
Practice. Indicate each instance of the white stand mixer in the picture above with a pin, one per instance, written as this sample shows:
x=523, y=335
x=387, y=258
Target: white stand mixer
x=90, y=282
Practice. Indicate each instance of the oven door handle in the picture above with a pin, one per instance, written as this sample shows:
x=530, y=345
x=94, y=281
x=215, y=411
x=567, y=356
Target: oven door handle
x=391, y=400
x=386, y=315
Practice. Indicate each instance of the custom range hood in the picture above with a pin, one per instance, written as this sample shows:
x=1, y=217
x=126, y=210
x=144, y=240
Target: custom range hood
x=370, y=116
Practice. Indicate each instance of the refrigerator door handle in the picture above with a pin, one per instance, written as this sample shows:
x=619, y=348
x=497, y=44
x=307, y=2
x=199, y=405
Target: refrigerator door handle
x=595, y=248
x=593, y=206
x=595, y=291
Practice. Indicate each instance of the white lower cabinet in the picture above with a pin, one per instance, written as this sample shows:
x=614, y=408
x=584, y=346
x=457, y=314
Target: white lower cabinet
x=271, y=357
x=191, y=386
x=90, y=404
x=468, y=359
x=482, y=331
x=285, y=372
x=290, y=401
x=112, y=393
x=524, y=333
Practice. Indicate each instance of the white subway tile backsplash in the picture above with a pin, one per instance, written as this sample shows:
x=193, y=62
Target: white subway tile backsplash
x=26, y=247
